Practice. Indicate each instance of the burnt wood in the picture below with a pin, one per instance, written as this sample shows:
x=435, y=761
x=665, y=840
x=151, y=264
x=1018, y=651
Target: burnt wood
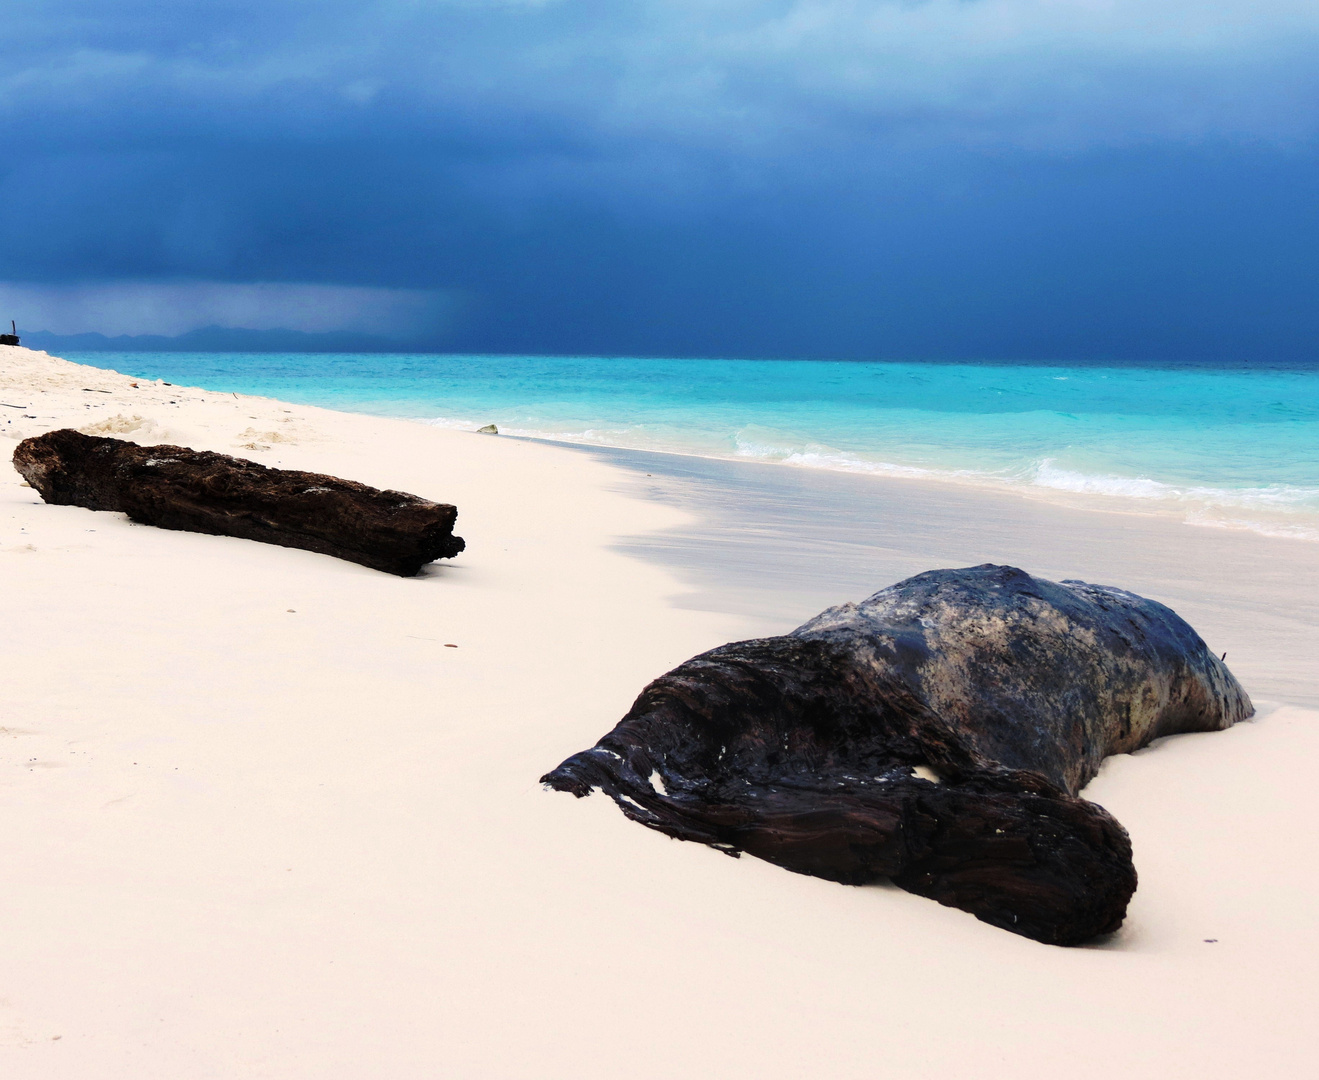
x=806, y=750
x=176, y=488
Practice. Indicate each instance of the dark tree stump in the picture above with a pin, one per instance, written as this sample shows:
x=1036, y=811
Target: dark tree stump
x=198, y=491
x=804, y=750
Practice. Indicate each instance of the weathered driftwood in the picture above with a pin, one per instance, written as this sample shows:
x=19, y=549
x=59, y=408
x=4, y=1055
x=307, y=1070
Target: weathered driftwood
x=177, y=488
x=806, y=750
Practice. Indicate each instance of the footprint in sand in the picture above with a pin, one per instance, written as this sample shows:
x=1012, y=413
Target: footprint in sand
x=142, y=427
x=261, y=440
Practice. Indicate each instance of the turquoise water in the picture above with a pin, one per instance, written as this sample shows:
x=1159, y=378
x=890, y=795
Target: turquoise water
x=1232, y=447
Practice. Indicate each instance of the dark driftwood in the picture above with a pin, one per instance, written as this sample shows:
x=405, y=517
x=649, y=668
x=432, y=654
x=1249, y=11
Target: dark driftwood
x=1010, y=690
x=177, y=488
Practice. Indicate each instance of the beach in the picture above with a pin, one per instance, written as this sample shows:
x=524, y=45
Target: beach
x=260, y=819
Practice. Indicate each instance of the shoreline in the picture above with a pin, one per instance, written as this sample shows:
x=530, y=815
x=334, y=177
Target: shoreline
x=1088, y=460
x=260, y=821
x=1165, y=509
x=778, y=546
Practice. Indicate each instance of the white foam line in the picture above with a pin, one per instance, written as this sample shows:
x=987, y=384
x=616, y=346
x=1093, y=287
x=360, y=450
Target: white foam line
x=1297, y=507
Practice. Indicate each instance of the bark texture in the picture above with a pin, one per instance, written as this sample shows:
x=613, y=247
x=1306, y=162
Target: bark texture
x=806, y=750
x=199, y=491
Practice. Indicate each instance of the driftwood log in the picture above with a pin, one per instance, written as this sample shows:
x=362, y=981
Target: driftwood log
x=199, y=491
x=936, y=734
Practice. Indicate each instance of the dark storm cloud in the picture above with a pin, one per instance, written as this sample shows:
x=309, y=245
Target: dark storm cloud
x=998, y=177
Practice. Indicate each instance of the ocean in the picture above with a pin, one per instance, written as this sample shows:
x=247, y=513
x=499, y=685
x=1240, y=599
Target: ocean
x=1230, y=447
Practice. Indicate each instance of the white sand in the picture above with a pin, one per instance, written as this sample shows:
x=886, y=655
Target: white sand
x=244, y=841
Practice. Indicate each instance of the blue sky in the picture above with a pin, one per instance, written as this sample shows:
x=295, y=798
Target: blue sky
x=954, y=178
